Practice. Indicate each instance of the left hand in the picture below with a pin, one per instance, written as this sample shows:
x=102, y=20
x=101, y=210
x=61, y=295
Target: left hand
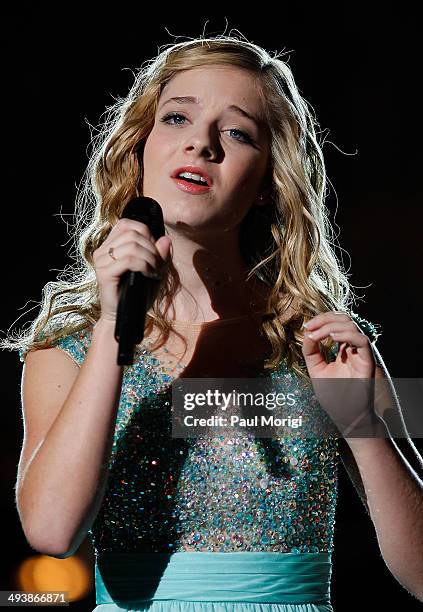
x=345, y=403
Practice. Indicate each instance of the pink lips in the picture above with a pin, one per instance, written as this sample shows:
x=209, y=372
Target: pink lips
x=190, y=187
x=194, y=170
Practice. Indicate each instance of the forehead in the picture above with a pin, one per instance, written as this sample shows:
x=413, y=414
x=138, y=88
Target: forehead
x=217, y=84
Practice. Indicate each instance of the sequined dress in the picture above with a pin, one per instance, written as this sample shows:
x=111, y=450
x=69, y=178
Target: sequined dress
x=210, y=523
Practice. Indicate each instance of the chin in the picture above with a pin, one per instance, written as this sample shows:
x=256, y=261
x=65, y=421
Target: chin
x=187, y=214
x=188, y=225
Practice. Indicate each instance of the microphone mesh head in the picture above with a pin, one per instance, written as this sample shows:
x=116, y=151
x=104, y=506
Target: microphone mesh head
x=148, y=211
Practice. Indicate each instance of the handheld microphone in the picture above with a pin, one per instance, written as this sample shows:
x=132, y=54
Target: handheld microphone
x=135, y=289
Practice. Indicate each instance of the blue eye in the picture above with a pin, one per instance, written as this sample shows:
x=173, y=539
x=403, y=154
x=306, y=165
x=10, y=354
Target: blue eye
x=244, y=135
x=169, y=116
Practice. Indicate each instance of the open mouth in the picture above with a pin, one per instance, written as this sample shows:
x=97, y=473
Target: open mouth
x=193, y=176
x=191, y=185
x=191, y=180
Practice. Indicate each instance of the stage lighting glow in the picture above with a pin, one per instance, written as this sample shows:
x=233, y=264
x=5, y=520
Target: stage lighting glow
x=44, y=573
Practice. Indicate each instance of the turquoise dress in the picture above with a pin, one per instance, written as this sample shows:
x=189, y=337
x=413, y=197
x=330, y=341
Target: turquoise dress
x=210, y=524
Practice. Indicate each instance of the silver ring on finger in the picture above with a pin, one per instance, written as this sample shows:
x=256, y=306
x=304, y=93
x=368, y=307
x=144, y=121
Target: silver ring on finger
x=110, y=251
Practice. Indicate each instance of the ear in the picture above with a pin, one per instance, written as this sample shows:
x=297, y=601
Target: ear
x=266, y=186
x=263, y=198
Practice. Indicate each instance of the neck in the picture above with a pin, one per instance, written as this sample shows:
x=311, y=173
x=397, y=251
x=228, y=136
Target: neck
x=213, y=282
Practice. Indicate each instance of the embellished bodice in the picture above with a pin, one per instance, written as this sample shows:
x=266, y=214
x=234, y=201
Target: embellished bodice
x=217, y=493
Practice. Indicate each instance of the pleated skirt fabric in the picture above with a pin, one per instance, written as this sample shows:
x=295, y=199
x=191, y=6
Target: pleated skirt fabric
x=213, y=582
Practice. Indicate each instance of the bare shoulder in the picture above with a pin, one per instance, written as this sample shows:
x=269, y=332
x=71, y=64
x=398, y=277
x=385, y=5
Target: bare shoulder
x=51, y=360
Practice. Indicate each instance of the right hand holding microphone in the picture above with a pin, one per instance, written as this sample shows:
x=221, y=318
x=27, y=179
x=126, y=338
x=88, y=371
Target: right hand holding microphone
x=129, y=246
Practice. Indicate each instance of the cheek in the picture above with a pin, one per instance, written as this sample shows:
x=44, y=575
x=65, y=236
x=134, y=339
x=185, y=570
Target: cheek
x=245, y=179
x=150, y=147
x=154, y=154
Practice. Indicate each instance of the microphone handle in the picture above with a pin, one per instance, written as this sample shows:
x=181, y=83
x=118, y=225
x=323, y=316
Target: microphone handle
x=134, y=299
x=136, y=290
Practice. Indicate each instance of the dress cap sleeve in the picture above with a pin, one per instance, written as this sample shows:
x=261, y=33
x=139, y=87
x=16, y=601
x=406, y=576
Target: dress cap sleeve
x=75, y=345
x=372, y=330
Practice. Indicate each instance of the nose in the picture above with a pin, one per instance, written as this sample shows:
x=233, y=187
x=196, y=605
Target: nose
x=204, y=142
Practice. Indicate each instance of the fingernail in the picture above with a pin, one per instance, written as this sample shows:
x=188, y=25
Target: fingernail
x=305, y=325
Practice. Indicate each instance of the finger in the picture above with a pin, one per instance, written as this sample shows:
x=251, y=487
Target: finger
x=344, y=337
x=129, y=237
x=312, y=354
x=136, y=252
x=163, y=245
x=355, y=339
x=128, y=262
x=124, y=225
x=323, y=331
x=326, y=317
x=311, y=341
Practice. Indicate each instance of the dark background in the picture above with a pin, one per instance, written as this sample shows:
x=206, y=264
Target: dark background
x=360, y=72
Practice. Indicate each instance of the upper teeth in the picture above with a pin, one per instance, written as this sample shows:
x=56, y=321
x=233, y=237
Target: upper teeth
x=195, y=177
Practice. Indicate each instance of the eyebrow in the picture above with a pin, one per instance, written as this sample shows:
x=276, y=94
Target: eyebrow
x=232, y=107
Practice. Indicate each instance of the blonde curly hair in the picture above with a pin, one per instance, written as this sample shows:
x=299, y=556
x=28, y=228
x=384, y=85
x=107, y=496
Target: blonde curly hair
x=287, y=244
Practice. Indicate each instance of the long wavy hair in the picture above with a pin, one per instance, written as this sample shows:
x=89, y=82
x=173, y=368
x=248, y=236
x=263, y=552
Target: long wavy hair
x=287, y=244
